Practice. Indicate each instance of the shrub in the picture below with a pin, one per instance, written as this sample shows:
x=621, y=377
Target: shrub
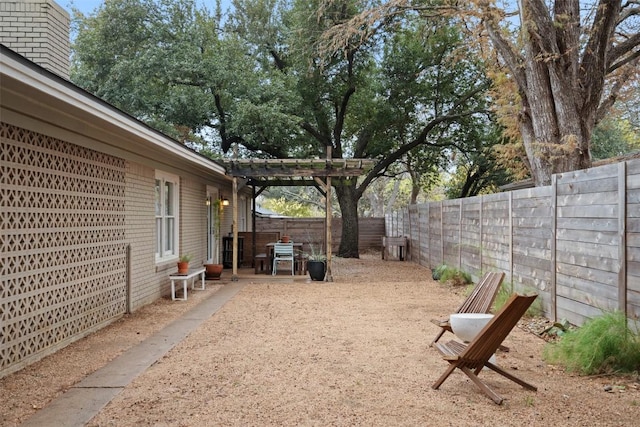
x=603, y=345
x=534, y=310
x=437, y=272
x=455, y=276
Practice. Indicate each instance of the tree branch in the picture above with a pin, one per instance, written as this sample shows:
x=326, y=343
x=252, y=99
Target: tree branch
x=622, y=49
x=404, y=149
x=511, y=59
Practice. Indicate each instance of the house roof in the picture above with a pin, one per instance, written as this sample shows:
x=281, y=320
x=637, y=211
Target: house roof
x=33, y=96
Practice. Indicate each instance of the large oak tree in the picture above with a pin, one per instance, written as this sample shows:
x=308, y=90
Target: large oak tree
x=569, y=61
x=572, y=60
x=264, y=83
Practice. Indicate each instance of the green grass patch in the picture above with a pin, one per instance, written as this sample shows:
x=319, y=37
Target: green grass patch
x=534, y=310
x=603, y=345
x=453, y=275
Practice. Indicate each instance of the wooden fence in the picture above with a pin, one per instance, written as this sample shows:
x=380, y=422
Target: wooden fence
x=575, y=242
x=305, y=230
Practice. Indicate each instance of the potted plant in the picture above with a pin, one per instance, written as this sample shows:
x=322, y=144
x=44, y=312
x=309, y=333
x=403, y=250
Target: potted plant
x=213, y=267
x=183, y=264
x=316, y=263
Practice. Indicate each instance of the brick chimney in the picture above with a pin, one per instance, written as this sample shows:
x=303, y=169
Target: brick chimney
x=38, y=30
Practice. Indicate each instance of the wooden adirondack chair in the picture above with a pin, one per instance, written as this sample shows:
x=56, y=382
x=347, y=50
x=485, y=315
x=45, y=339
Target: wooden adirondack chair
x=471, y=358
x=479, y=301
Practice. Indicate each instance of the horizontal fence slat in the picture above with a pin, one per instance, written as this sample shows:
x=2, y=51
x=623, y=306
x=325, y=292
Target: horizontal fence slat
x=513, y=232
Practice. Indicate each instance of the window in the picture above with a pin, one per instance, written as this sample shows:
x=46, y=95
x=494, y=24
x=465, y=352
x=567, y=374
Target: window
x=166, y=199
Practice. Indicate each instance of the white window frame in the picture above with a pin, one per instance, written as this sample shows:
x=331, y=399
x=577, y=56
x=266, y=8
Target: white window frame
x=166, y=218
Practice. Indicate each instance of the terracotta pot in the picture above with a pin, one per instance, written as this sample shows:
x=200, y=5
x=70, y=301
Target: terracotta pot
x=213, y=271
x=183, y=267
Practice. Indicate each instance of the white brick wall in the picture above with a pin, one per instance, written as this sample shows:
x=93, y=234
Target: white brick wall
x=38, y=30
x=193, y=220
x=148, y=280
x=146, y=284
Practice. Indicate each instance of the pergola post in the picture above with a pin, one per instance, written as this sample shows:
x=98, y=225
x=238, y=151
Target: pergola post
x=234, y=227
x=281, y=172
x=328, y=276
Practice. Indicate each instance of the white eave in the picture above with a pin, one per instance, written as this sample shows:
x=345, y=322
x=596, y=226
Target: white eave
x=61, y=109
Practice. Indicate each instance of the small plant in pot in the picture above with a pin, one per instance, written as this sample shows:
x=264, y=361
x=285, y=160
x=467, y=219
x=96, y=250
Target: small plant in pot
x=316, y=263
x=183, y=264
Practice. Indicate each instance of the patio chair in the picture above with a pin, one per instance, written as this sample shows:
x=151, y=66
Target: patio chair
x=282, y=252
x=478, y=301
x=471, y=358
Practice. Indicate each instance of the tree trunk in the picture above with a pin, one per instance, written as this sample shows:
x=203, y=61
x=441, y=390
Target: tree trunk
x=560, y=81
x=348, y=198
x=550, y=124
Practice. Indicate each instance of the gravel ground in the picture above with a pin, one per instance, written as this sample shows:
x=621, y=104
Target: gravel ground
x=352, y=352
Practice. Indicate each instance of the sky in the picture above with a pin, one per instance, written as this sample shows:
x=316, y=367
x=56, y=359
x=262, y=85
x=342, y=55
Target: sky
x=88, y=6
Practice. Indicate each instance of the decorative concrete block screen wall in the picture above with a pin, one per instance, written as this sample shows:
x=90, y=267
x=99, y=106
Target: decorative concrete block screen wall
x=63, y=264
x=38, y=30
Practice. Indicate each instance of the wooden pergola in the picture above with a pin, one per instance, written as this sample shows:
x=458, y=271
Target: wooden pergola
x=262, y=173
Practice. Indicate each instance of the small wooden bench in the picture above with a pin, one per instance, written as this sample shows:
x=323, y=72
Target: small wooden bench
x=262, y=264
x=400, y=242
x=301, y=263
x=191, y=274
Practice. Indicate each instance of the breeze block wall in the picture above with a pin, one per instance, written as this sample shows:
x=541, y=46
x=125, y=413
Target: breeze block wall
x=63, y=266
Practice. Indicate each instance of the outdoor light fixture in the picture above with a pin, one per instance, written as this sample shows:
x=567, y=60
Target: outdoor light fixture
x=207, y=202
x=225, y=202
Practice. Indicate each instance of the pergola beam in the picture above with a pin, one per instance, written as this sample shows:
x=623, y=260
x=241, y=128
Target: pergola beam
x=264, y=173
x=297, y=167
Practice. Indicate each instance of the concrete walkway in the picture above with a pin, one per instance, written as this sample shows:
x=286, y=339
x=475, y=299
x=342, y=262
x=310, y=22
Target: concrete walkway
x=84, y=400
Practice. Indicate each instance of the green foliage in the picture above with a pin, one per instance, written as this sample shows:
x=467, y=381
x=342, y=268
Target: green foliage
x=316, y=253
x=288, y=207
x=304, y=201
x=477, y=171
x=605, y=344
x=436, y=274
x=505, y=291
x=185, y=258
x=263, y=81
x=454, y=276
x=501, y=298
x=529, y=401
x=614, y=137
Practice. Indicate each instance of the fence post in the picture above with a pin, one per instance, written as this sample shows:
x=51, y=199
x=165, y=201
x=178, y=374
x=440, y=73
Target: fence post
x=622, y=236
x=429, y=235
x=441, y=233
x=511, y=239
x=480, y=243
x=554, y=227
x=460, y=205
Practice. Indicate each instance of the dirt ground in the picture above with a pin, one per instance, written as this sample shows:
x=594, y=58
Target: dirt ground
x=351, y=352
